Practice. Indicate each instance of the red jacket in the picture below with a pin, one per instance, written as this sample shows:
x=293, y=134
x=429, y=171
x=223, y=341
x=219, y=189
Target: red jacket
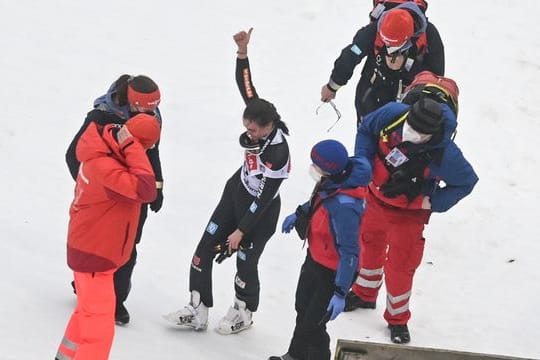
x=111, y=185
x=326, y=235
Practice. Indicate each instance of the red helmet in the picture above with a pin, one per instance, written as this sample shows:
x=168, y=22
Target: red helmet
x=396, y=27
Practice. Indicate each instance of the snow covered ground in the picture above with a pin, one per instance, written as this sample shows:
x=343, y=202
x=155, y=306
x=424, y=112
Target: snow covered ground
x=478, y=287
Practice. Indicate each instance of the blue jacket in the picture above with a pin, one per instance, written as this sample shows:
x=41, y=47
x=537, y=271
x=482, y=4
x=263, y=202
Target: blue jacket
x=453, y=169
x=333, y=234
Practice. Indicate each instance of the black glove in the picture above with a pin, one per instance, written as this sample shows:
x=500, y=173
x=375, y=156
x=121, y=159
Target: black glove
x=156, y=204
x=302, y=222
x=223, y=251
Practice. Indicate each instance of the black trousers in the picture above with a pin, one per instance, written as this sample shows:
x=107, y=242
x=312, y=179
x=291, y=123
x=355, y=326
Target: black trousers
x=122, y=276
x=315, y=288
x=234, y=203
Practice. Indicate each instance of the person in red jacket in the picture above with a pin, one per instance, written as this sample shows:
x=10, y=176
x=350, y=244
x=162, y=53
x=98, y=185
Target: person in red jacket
x=115, y=177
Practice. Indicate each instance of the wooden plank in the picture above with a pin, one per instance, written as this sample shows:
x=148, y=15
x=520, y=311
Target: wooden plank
x=361, y=350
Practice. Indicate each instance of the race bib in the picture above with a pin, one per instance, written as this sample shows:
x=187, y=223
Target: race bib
x=251, y=162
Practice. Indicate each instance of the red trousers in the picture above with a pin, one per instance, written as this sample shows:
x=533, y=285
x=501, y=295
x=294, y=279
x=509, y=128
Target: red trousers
x=90, y=331
x=391, y=244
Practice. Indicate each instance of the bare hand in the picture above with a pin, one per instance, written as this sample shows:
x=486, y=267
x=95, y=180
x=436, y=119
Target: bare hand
x=242, y=39
x=327, y=94
x=426, y=203
x=123, y=134
x=234, y=239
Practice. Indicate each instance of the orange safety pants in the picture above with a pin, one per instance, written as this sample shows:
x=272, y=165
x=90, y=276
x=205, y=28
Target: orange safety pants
x=391, y=244
x=90, y=331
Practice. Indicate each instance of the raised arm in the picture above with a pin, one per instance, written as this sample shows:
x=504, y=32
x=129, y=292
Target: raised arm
x=243, y=72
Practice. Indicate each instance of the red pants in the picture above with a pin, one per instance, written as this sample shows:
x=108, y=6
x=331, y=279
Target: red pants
x=391, y=243
x=90, y=331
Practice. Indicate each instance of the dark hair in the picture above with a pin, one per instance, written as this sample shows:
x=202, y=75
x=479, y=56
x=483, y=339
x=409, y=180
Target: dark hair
x=139, y=83
x=263, y=112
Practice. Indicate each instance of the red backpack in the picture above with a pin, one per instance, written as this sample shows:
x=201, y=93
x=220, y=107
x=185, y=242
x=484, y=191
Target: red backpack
x=380, y=6
x=436, y=87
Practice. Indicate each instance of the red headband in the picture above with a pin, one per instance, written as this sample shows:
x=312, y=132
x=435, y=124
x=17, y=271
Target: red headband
x=147, y=101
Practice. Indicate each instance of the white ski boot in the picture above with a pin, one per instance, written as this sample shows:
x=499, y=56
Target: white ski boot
x=194, y=315
x=238, y=318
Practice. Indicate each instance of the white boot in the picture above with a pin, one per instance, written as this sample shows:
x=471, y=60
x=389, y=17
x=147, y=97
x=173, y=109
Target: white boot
x=238, y=318
x=194, y=315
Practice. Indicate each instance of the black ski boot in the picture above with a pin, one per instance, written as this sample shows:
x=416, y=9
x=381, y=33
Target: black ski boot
x=352, y=302
x=282, y=357
x=121, y=315
x=399, y=334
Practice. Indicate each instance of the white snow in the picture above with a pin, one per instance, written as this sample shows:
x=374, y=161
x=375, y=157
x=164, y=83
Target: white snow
x=58, y=55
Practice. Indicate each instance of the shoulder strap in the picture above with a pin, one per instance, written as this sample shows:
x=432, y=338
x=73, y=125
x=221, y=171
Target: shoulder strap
x=387, y=130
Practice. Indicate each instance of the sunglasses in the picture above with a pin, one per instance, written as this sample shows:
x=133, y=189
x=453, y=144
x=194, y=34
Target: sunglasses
x=338, y=113
x=396, y=50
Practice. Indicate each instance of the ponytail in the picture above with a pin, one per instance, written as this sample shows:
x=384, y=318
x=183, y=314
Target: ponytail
x=121, y=89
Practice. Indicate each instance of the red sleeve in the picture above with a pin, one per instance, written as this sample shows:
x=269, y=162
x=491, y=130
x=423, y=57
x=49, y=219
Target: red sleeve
x=134, y=180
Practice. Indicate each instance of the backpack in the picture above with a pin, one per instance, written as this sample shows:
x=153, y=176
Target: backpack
x=380, y=6
x=437, y=87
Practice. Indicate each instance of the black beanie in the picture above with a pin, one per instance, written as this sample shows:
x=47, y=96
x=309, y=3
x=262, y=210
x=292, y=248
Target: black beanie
x=425, y=116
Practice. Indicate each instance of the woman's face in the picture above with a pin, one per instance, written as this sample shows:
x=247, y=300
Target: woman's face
x=255, y=131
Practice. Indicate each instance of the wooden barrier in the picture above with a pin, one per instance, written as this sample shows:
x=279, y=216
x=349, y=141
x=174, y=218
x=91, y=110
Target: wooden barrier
x=360, y=350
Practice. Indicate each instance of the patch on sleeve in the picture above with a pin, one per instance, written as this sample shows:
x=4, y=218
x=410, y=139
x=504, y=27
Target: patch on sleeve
x=241, y=255
x=355, y=49
x=344, y=199
x=212, y=228
x=239, y=282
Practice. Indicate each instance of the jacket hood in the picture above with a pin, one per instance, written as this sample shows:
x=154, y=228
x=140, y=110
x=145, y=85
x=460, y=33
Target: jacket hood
x=450, y=124
x=94, y=143
x=420, y=21
x=105, y=103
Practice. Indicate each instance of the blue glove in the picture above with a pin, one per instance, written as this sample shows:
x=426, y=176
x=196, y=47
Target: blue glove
x=336, y=306
x=288, y=223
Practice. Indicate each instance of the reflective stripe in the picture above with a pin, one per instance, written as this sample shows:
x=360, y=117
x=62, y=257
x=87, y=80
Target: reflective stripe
x=396, y=299
x=399, y=310
x=69, y=344
x=384, y=132
x=371, y=272
x=368, y=283
x=60, y=356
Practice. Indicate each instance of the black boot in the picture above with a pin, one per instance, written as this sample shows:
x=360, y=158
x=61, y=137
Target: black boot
x=316, y=353
x=399, y=334
x=282, y=357
x=352, y=302
x=121, y=315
